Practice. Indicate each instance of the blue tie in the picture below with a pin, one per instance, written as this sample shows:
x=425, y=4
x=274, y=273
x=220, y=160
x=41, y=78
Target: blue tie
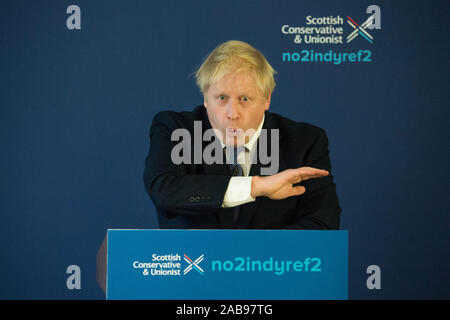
x=236, y=170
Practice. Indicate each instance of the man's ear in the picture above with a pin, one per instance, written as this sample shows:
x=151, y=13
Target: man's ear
x=204, y=101
x=267, y=103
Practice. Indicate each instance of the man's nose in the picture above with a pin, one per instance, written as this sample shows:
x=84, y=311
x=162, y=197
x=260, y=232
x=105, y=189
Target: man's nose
x=233, y=110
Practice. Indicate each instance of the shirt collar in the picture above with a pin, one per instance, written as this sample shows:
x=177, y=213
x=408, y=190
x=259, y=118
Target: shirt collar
x=250, y=144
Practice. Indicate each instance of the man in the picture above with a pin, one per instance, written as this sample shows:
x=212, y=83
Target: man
x=237, y=82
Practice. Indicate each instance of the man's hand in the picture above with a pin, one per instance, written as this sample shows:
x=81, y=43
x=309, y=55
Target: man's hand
x=280, y=186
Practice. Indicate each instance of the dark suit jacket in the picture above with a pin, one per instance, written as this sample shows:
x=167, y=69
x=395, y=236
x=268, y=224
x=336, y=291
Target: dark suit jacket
x=190, y=196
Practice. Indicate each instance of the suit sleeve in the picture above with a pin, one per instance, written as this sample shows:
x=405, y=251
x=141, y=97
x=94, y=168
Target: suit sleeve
x=318, y=207
x=172, y=188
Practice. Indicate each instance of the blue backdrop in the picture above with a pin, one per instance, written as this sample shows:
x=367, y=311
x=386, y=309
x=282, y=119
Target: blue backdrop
x=76, y=106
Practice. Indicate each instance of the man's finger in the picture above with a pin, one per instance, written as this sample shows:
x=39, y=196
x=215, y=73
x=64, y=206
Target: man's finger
x=298, y=190
x=310, y=170
x=306, y=177
x=295, y=179
x=305, y=173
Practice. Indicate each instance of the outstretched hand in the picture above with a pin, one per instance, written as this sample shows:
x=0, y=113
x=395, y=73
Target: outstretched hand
x=280, y=186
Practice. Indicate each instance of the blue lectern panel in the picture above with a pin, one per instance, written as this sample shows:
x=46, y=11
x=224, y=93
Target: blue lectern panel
x=227, y=264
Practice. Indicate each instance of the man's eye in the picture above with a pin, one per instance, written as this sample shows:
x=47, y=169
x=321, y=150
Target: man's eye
x=245, y=99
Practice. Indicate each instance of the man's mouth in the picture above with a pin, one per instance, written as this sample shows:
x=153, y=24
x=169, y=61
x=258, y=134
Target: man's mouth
x=232, y=132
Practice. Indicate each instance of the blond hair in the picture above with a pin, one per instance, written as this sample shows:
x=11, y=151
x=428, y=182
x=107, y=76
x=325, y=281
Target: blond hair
x=234, y=56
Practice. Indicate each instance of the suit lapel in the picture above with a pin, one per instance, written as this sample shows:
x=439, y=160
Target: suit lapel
x=214, y=168
x=225, y=215
x=249, y=210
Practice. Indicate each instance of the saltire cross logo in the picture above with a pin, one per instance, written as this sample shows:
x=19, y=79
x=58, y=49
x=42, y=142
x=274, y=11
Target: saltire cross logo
x=193, y=264
x=360, y=29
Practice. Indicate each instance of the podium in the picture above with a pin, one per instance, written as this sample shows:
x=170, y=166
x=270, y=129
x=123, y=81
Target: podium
x=224, y=264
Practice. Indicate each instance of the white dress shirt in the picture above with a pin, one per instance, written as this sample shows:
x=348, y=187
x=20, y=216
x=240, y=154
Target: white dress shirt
x=239, y=188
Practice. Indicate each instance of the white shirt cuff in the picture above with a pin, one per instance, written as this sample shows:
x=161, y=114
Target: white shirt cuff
x=238, y=192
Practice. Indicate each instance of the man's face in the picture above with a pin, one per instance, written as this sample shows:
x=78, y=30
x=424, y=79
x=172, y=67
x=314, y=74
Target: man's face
x=235, y=104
